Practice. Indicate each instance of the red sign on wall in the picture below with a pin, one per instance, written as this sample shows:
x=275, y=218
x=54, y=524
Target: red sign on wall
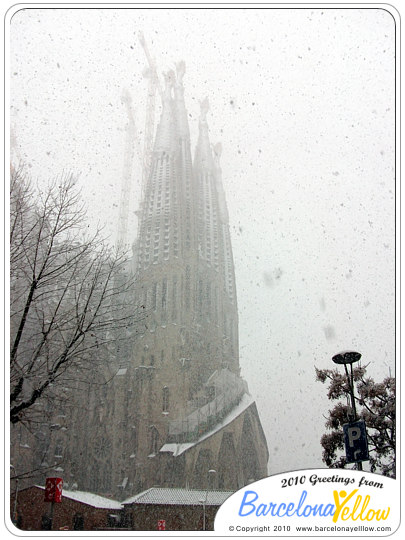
x=53, y=490
x=161, y=525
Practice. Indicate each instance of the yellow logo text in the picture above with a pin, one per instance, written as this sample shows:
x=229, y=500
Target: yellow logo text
x=359, y=510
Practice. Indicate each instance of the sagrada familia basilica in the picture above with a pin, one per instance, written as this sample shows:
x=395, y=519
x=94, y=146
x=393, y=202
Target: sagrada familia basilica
x=175, y=406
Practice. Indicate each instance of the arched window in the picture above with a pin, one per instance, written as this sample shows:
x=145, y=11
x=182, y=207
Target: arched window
x=154, y=440
x=164, y=293
x=165, y=400
x=58, y=449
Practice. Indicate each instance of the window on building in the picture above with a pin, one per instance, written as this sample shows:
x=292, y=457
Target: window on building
x=164, y=293
x=174, y=299
x=113, y=521
x=105, y=473
x=46, y=523
x=58, y=449
x=78, y=522
x=200, y=296
x=154, y=440
x=188, y=287
x=154, y=295
x=165, y=406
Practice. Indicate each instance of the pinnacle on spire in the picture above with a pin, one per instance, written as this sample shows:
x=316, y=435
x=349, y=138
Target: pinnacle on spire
x=217, y=148
x=203, y=153
x=164, y=140
x=204, y=108
x=182, y=119
x=180, y=71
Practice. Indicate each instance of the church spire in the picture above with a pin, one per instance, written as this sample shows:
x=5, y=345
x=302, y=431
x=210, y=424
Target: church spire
x=203, y=153
x=164, y=134
x=181, y=112
x=219, y=186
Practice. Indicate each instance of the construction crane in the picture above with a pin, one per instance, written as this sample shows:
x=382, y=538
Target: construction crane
x=133, y=143
x=127, y=171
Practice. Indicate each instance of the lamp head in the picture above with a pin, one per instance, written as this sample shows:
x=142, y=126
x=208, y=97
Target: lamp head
x=346, y=357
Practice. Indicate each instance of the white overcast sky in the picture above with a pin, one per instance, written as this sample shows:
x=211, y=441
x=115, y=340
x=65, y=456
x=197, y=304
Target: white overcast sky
x=302, y=100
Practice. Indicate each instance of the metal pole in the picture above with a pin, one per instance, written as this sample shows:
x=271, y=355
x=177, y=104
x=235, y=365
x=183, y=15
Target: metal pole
x=51, y=516
x=15, y=502
x=350, y=382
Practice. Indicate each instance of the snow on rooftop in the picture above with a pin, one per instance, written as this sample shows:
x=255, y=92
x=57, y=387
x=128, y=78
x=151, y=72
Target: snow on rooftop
x=91, y=499
x=179, y=496
x=178, y=448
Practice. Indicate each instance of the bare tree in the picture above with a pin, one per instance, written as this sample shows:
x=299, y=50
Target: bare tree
x=70, y=296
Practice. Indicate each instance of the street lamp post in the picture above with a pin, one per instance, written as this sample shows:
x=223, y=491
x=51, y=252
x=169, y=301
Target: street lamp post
x=204, y=501
x=349, y=358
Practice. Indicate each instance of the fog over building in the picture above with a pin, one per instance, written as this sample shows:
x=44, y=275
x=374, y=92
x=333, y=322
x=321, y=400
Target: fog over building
x=191, y=410
x=175, y=408
x=303, y=101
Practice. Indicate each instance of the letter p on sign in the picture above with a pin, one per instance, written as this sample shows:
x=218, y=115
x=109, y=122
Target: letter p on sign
x=356, y=444
x=354, y=434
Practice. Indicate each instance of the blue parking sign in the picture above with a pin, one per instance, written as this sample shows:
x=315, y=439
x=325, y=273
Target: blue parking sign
x=355, y=436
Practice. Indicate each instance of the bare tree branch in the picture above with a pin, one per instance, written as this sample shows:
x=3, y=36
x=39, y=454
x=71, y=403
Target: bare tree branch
x=70, y=294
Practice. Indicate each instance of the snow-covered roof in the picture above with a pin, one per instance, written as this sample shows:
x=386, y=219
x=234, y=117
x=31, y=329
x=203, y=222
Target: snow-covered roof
x=178, y=448
x=91, y=499
x=179, y=496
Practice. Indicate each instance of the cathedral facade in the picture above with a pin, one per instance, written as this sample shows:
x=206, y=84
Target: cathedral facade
x=175, y=412
x=188, y=409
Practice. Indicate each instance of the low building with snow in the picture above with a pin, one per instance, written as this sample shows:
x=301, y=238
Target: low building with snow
x=173, y=509
x=78, y=510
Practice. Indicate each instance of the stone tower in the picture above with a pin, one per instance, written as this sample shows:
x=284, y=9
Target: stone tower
x=187, y=410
